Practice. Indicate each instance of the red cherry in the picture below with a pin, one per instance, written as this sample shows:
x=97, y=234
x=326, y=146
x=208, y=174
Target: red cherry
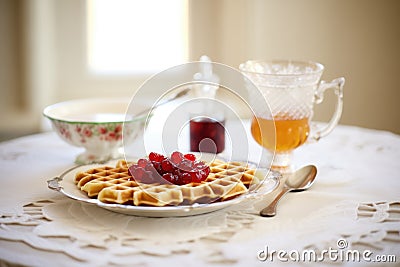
x=157, y=167
x=153, y=156
x=168, y=176
x=196, y=177
x=176, y=157
x=142, y=163
x=166, y=165
x=185, y=165
x=190, y=157
x=179, y=169
x=186, y=178
x=176, y=180
x=200, y=165
x=149, y=167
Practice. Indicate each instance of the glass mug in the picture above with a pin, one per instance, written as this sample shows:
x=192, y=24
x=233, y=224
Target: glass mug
x=290, y=88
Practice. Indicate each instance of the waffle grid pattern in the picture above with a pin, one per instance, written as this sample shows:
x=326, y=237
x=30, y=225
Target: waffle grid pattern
x=226, y=180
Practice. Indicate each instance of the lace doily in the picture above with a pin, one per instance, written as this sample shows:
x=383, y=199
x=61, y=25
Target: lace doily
x=89, y=235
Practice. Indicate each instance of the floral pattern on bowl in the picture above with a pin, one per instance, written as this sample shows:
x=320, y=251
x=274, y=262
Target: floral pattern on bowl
x=102, y=140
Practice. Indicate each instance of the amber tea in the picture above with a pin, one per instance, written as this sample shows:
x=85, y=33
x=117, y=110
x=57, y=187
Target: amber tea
x=282, y=134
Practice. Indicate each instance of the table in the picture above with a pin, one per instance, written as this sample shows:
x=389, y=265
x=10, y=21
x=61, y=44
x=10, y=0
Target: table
x=352, y=210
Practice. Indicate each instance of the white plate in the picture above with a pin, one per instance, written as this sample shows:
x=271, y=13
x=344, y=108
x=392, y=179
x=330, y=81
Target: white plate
x=66, y=185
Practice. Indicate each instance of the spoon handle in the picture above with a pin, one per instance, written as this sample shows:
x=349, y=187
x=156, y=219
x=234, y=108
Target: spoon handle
x=270, y=210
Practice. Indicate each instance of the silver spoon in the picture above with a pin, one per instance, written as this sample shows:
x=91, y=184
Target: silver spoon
x=300, y=180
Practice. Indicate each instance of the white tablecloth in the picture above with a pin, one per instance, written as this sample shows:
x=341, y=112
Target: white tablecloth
x=353, y=208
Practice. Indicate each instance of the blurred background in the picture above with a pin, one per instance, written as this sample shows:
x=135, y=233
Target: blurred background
x=57, y=50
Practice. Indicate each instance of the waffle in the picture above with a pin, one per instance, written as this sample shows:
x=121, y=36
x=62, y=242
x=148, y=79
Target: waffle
x=226, y=180
x=221, y=169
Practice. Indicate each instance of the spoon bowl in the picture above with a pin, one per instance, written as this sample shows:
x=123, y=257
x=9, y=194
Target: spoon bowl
x=300, y=180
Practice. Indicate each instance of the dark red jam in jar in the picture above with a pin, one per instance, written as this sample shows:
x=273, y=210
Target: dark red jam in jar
x=207, y=135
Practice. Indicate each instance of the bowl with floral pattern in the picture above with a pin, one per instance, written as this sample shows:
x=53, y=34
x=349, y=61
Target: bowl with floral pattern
x=100, y=125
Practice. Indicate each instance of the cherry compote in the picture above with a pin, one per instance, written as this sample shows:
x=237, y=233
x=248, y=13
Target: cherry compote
x=207, y=135
x=177, y=169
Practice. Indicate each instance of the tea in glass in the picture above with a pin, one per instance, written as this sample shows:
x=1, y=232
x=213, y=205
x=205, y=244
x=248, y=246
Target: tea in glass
x=291, y=88
x=280, y=134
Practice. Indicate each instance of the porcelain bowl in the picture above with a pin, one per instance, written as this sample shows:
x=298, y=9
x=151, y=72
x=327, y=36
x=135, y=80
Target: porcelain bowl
x=99, y=125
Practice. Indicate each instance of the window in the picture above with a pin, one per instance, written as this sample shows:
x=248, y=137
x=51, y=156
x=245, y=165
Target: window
x=134, y=36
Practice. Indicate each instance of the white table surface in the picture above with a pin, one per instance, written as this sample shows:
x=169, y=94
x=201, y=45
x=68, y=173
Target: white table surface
x=355, y=200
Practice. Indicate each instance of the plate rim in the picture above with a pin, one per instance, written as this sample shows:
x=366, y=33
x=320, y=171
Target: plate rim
x=58, y=183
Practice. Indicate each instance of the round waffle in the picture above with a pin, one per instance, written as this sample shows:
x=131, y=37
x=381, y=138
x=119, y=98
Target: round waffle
x=114, y=184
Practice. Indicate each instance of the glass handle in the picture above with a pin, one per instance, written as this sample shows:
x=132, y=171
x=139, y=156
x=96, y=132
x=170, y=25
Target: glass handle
x=337, y=85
